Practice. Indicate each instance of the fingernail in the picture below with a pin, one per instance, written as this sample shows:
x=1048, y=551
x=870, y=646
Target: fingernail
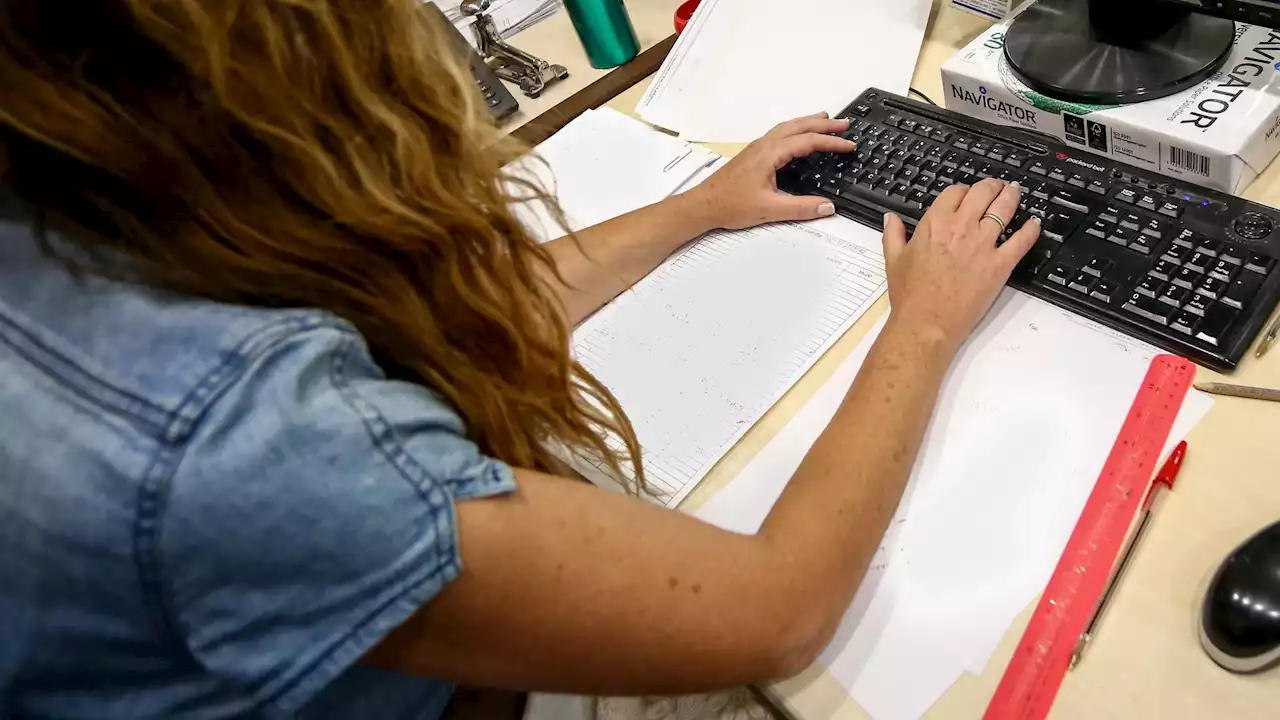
x=1036, y=219
x=1015, y=186
x=825, y=114
x=826, y=208
x=887, y=217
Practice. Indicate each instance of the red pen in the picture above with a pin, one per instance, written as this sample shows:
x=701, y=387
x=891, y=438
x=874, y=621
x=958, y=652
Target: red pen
x=1162, y=483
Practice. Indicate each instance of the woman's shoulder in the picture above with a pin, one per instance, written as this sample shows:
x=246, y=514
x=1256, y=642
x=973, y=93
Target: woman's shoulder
x=154, y=357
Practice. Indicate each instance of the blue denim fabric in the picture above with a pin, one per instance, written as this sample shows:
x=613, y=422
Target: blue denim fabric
x=210, y=511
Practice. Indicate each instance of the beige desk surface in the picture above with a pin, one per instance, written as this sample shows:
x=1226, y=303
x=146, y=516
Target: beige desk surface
x=1146, y=661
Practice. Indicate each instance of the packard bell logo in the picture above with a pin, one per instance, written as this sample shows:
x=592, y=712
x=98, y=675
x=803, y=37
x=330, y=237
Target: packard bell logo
x=1062, y=156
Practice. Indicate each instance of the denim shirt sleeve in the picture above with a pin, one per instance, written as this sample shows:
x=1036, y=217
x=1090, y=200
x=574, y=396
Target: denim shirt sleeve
x=312, y=513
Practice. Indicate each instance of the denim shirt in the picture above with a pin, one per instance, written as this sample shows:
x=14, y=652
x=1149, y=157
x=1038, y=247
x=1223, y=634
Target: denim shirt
x=209, y=511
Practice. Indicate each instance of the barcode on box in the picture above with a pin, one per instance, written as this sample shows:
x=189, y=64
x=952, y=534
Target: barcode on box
x=1189, y=161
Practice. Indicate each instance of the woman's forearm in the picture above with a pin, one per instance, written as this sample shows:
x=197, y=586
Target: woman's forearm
x=604, y=260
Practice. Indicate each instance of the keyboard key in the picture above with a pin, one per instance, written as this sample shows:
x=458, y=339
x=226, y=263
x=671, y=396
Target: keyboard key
x=1148, y=202
x=1209, y=246
x=925, y=130
x=1198, y=305
x=1156, y=228
x=941, y=135
x=1260, y=264
x=1212, y=288
x=1016, y=159
x=1057, y=226
x=1174, y=296
x=1104, y=291
x=1097, y=188
x=1041, y=191
x=953, y=160
x=1127, y=195
x=1058, y=174
x=908, y=125
x=900, y=191
x=1110, y=215
x=861, y=110
x=920, y=147
x=1132, y=221
x=1184, y=322
x=1177, y=254
x=997, y=153
x=970, y=167
x=882, y=185
x=1122, y=236
x=1233, y=255
x=1059, y=274
x=1077, y=180
x=1216, y=323
x=1082, y=282
x=1222, y=270
x=908, y=174
x=1144, y=244
x=1150, y=287
x=1149, y=308
x=1038, y=207
x=1199, y=262
x=986, y=171
x=1187, y=278
x=1039, y=168
x=1098, y=266
x=1100, y=229
x=980, y=148
x=1163, y=269
x=1187, y=239
x=1241, y=291
x=937, y=153
x=893, y=120
x=1170, y=209
x=1070, y=200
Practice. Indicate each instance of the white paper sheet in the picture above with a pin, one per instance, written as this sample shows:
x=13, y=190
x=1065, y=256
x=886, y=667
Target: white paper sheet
x=742, y=66
x=1026, y=419
x=511, y=16
x=602, y=165
x=700, y=349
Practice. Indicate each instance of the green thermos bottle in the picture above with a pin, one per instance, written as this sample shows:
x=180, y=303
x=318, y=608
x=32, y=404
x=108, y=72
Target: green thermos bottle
x=605, y=30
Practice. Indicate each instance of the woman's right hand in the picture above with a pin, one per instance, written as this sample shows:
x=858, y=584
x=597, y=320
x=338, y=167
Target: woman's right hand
x=944, y=281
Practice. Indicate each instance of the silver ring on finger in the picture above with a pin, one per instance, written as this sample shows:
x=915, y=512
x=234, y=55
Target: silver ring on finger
x=1003, y=225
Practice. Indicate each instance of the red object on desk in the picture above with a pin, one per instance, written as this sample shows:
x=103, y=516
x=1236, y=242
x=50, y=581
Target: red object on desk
x=684, y=13
x=1169, y=473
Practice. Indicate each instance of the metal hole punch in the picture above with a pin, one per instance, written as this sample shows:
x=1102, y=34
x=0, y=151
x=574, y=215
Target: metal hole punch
x=531, y=74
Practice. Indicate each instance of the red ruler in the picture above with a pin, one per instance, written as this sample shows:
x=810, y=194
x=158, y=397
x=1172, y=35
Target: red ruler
x=1040, y=663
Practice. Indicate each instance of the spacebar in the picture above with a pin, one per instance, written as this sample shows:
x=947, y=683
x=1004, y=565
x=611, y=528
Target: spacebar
x=870, y=207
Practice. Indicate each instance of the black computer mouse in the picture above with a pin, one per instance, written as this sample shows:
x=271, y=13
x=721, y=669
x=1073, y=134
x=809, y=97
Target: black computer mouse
x=1240, y=623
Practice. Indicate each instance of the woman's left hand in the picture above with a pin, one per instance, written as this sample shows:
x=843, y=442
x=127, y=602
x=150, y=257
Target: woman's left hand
x=745, y=191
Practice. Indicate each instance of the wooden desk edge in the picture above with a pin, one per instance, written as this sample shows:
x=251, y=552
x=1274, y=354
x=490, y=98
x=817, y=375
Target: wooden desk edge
x=596, y=94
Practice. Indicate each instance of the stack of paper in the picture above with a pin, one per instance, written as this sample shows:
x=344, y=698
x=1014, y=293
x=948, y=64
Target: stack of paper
x=1025, y=421
x=697, y=351
x=511, y=16
x=742, y=66
x=602, y=165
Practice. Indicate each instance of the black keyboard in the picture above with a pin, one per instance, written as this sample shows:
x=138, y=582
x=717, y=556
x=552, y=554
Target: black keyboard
x=1188, y=269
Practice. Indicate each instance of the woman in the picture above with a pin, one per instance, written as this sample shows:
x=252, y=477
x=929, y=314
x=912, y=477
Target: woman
x=283, y=386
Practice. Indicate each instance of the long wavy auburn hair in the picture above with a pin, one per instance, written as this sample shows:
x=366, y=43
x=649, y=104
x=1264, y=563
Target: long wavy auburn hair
x=328, y=154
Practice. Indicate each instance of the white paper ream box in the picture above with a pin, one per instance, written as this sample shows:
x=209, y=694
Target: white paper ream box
x=1220, y=134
